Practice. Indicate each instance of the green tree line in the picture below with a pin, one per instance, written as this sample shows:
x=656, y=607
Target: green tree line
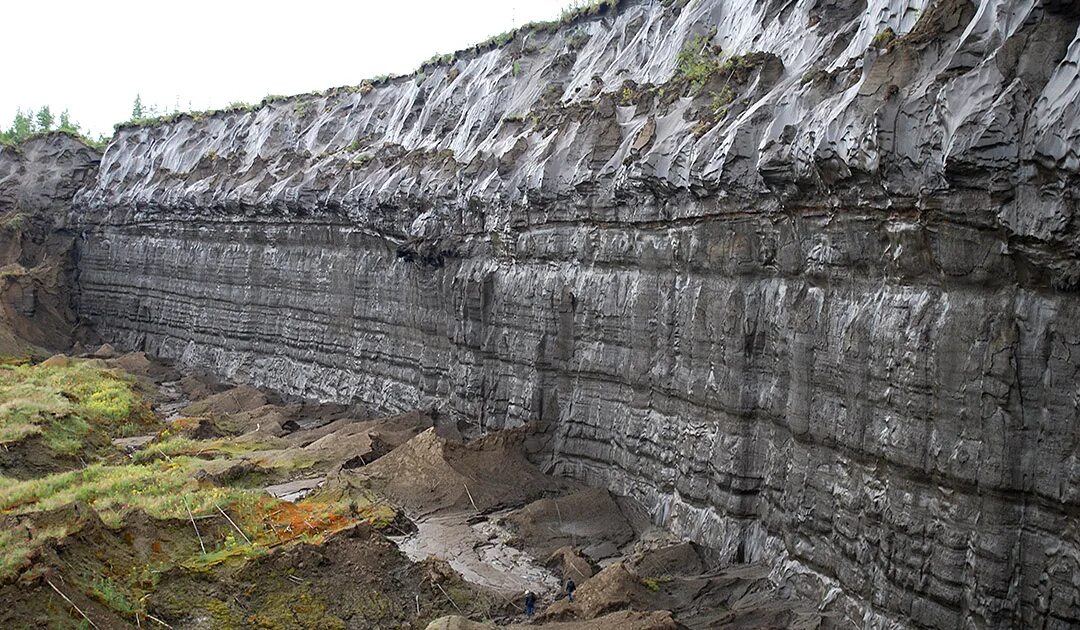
x=31, y=122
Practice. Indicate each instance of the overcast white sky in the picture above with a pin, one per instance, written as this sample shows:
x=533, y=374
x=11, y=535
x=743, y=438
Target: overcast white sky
x=92, y=58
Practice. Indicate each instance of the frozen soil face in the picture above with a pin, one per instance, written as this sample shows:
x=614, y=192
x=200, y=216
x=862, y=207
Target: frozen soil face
x=37, y=261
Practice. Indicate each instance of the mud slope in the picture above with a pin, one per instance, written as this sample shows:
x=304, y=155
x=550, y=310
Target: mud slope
x=798, y=276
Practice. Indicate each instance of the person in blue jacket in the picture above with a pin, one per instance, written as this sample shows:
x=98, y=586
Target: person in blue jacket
x=530, y=603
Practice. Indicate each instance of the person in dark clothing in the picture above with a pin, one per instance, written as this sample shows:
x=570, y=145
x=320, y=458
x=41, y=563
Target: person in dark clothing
x=570, y=586
x=530, y=603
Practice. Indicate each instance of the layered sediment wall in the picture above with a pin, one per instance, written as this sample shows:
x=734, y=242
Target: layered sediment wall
x=800, y=276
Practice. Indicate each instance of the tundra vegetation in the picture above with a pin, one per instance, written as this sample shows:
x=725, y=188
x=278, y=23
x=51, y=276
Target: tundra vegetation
x=105, y=502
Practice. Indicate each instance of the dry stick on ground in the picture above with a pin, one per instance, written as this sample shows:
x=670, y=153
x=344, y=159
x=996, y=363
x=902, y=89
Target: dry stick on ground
x=470, y=498
x=149, y=616
x=233, y=524
x=197, y=534
x=448, y=597
x=79, y=610
x=270, y=520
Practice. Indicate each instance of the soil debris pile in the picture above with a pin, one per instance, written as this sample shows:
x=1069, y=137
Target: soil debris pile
x=735, y=596
x=430, y=474
x=588, y=520
x=175, y=526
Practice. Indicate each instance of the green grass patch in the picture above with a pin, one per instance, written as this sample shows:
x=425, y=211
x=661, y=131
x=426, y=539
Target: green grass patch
x=160, y=489
x=884, y=38
x=66, y=402
x=654, y=583
x=109, y=593
x=167, y=490
x=185, y=446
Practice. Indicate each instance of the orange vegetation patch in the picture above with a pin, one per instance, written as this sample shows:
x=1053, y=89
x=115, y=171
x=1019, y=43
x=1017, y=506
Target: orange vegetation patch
x=275, y=522
x=180, y=425
x=295, y=520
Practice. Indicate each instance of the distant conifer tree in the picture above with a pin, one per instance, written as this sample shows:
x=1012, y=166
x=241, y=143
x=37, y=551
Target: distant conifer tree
x=45, y=119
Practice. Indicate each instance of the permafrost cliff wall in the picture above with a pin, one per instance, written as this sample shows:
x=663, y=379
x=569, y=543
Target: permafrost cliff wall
x=817, y=309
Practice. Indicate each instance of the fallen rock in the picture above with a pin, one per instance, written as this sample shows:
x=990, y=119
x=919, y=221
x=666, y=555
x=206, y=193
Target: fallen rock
x=568, y=563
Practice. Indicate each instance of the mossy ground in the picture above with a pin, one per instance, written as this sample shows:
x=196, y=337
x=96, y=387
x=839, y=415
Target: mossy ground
x=169, y=530
x=73, y=406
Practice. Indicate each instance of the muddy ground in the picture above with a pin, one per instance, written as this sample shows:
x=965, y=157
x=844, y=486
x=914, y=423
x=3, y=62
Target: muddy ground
x=300, y=515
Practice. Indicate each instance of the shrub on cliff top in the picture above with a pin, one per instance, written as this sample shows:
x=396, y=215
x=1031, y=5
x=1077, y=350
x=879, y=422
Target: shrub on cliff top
x=584, y=8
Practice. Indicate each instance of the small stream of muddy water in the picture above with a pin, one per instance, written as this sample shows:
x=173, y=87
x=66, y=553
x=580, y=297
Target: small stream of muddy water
x=479, y=551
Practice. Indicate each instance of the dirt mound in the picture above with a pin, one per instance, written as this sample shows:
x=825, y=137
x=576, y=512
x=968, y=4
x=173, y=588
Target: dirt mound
x=234, y=400
x=344, y=444
x=312, y=415
x=739, y=596
x=428, y=474
x=568, y=563
x=625, y=620
x=267, y=421
x=589, y=519
x=614, y=588
x=198, y=386
x=138, y=364
x=392, y=431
